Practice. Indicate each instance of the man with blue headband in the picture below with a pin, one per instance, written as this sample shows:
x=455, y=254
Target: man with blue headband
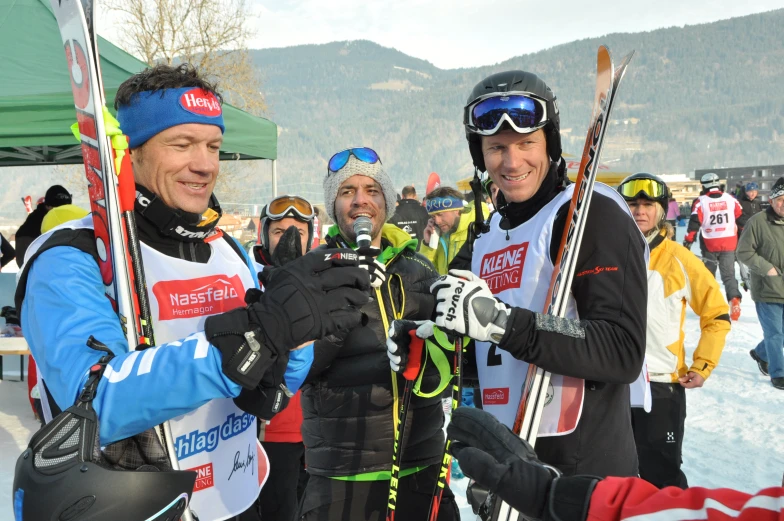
x=449, y=217
x=222, y=354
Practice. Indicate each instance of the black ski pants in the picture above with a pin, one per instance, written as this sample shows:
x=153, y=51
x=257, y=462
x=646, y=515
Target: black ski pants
x=279, y=498
x=725, y=261
x=329, y=499
x=659, y=436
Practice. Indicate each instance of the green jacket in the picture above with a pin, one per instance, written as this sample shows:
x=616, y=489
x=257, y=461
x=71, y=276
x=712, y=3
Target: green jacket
x=448, y=246
x=761, y=247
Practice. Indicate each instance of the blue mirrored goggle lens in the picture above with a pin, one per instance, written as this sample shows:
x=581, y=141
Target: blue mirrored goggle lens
x=339, y=160
x=525, y=112
x=364, y=154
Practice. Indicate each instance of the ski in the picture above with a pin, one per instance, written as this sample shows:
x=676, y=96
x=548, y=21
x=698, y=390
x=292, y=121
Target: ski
x=536, y=382
x=111, y=185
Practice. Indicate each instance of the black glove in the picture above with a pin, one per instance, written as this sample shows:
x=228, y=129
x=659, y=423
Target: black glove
x=313, y=296
x=376, y=269
x=264, y=401
x=687, y=244
x=496, y=458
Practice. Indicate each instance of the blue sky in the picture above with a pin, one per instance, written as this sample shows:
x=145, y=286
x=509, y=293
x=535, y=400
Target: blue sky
x=467, y=33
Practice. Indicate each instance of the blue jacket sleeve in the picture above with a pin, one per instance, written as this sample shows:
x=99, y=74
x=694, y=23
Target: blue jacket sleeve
x=64, y=305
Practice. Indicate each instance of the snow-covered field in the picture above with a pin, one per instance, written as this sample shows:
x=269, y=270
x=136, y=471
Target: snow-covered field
x=734, y=429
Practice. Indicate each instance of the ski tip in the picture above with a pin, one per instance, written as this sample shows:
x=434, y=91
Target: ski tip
x=603, y=58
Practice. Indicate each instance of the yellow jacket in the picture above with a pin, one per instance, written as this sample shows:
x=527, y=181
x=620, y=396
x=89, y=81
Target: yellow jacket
x=677, y=277
x=448, y=248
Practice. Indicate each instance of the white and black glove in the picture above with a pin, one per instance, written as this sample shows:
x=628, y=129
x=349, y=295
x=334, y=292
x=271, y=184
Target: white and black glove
x=405, y=344
x=466, y=305
x=377, y=270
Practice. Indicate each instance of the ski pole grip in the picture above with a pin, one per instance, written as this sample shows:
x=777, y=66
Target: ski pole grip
x=414, y=364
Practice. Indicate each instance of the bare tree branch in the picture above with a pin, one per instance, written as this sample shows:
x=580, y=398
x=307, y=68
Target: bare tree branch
x=210, y=34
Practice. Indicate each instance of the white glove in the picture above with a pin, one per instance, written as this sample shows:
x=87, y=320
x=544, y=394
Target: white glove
x=466, y=305
x=376, y=269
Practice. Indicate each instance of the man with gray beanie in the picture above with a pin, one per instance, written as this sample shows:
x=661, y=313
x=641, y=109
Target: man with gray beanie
x=349, y=397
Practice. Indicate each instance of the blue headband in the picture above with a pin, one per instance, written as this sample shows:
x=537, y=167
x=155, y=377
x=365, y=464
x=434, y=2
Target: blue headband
x=153, y=111
x=443, y=204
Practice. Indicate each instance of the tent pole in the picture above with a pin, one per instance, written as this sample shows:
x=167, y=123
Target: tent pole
x=274, y=178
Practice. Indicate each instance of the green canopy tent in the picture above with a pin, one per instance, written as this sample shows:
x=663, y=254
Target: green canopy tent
x=36, y=104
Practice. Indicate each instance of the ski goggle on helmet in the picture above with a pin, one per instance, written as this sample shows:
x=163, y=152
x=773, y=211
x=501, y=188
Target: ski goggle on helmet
x=289, y=206
x=364, y=154
x=643, y=186
x=523, y=111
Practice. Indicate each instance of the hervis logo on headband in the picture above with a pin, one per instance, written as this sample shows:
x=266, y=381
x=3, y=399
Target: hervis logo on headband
x=201, y=102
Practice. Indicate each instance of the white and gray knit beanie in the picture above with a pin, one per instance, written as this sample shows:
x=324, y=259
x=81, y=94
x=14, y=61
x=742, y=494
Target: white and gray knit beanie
x=353, y=167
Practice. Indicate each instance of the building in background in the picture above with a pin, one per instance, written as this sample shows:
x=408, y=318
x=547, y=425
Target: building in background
x=764, y=176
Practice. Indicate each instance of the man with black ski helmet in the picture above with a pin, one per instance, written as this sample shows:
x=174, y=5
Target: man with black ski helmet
x=512, y=127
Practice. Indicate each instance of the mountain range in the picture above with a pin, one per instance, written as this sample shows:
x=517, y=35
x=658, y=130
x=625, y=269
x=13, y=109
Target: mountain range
x=701, y=96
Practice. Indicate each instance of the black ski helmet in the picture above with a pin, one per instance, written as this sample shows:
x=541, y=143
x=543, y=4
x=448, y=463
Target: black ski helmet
x=522, y=82
x=663, y=198
x=62, y=475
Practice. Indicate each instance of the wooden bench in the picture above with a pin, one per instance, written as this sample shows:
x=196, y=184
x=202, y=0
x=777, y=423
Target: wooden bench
x=13, y=346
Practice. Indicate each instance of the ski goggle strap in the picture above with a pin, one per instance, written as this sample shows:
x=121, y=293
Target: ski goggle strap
x=290, y=206
x=642, y=188
x=364, y=154
x=443, y=204
x=524, y=112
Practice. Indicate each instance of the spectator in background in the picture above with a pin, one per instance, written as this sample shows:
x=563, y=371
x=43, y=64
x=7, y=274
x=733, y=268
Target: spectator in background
x=7, y=252
x=286, y=232
x=55, y=196
x=761, y=248
x=449, y=218
x=750, y=206
x=714, y=215
x=410, y=216
x=676, y=278
x=673, y=211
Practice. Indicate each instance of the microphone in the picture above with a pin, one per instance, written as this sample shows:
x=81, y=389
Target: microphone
x=362, y=229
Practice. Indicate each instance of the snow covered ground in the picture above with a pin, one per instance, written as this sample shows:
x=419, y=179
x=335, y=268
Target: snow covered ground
x=734, y=429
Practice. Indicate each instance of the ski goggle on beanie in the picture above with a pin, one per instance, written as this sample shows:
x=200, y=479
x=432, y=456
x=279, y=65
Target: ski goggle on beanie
x=523, y=111
x=151, y=112
x=364, y=154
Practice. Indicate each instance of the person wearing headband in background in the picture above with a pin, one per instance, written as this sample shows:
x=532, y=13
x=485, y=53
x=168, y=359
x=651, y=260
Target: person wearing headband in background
x=218, y=363
x=349, y=397
x=676, y=278
x=450, y=216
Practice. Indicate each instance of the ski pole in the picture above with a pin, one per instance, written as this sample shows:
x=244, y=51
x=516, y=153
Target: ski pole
x=416, y=352
x=446, y=457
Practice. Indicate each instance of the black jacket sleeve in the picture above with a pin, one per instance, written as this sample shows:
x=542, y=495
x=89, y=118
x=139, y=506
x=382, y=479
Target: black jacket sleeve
x=7, y=252
x=462, y=261
x=610, y=289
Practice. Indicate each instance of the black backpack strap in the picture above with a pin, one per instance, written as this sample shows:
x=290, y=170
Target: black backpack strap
x=82, y=239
